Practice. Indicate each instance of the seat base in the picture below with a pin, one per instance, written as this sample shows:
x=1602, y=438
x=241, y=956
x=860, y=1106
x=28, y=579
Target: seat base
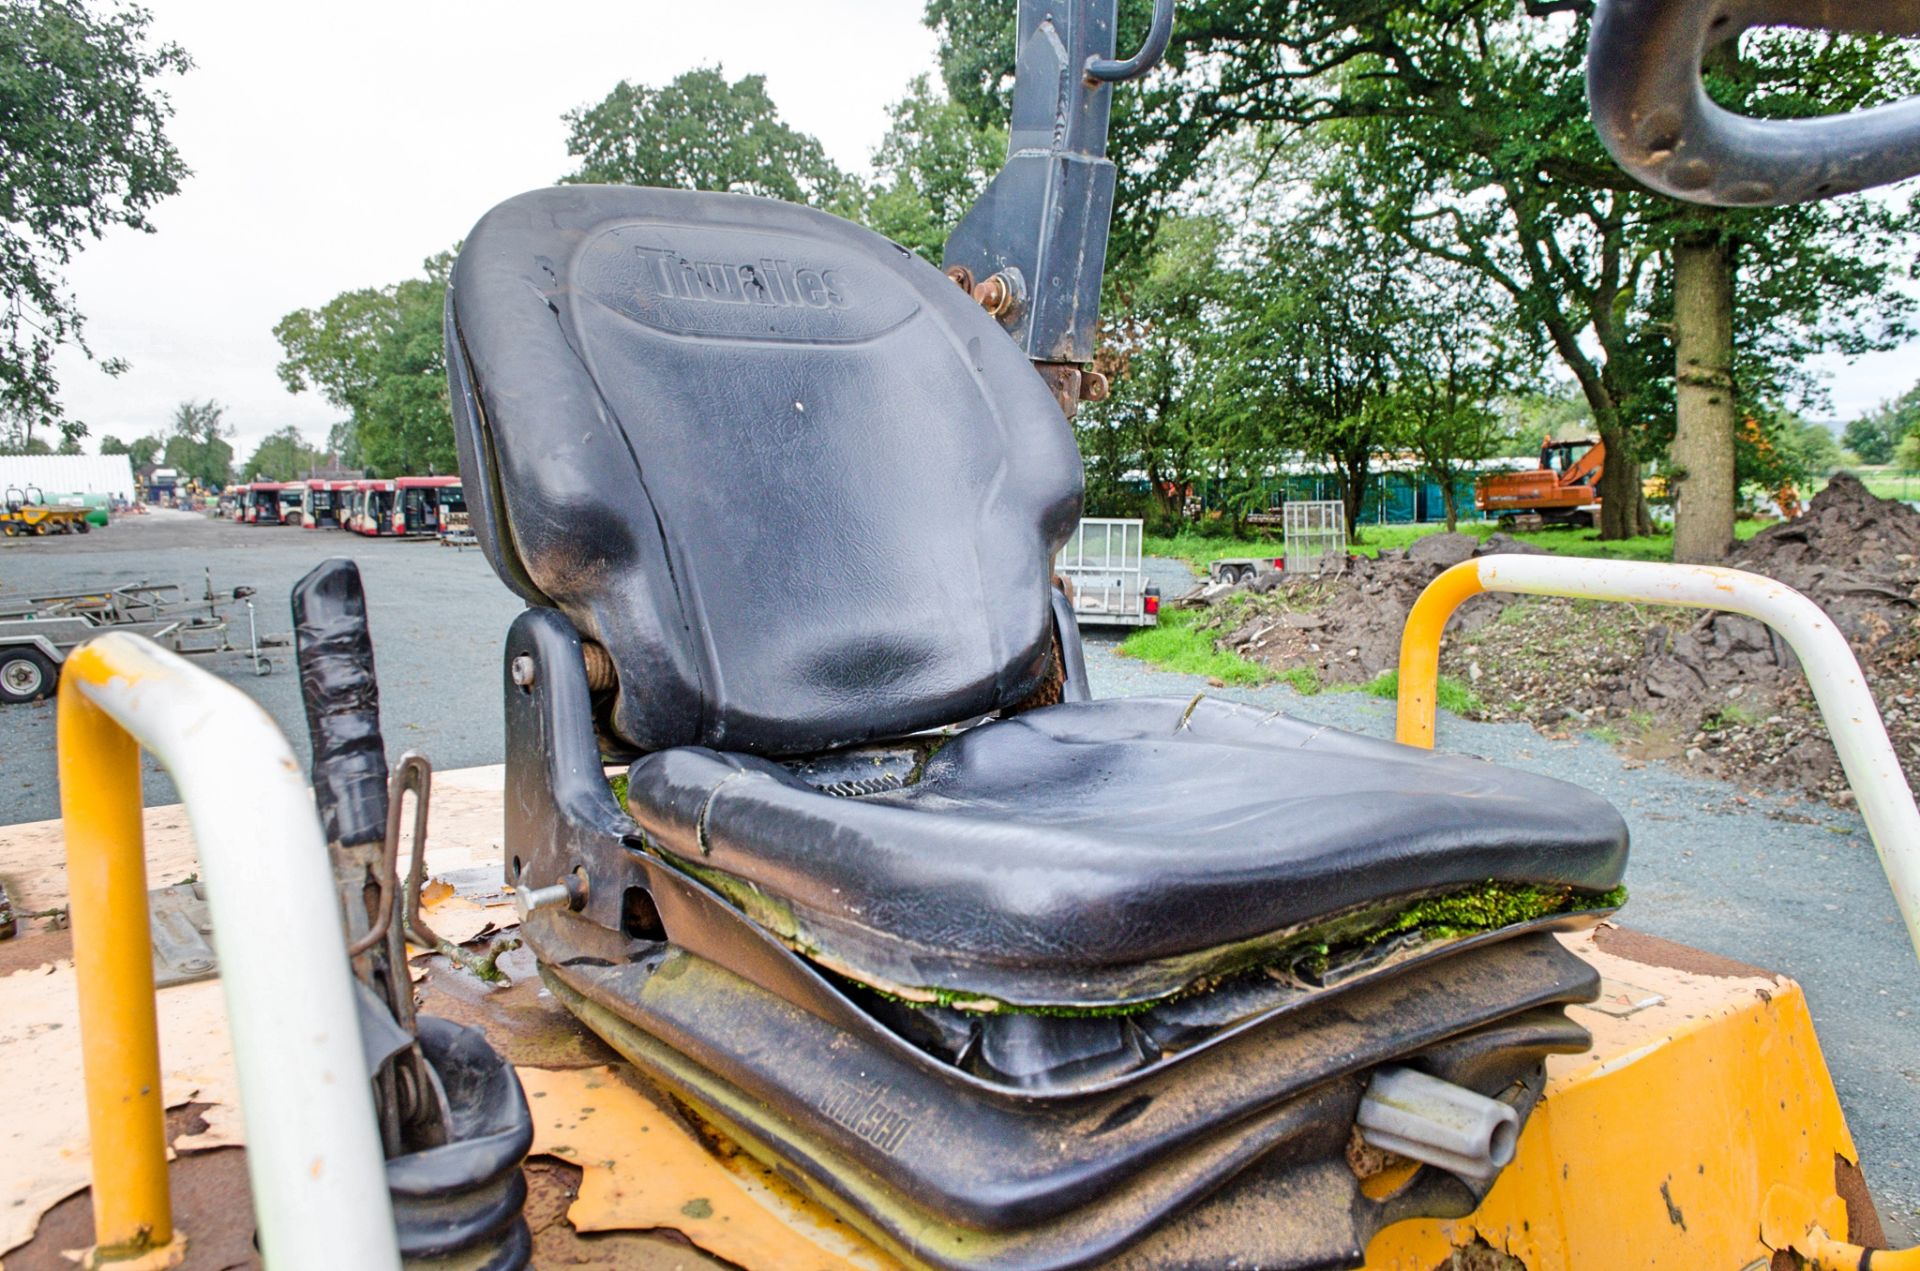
x=1240, y=1155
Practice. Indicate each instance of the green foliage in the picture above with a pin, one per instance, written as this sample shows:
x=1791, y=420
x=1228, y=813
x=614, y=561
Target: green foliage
x=1178, y=643
x=700, y=132
x=1173, y=415
x=930, y=168
x=379, y=353
x=1876, y=436
x=83, y=150
x=1796, y=451
x=1452, y=695
x=140, y=452
x=281, y=456
x=196, y=443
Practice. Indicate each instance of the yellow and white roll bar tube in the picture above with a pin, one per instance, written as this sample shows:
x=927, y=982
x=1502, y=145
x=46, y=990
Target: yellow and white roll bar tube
x=1839, y=687
x=313, y=1152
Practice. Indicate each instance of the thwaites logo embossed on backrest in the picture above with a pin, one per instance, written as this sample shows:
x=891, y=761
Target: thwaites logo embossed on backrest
x=769, y=282
x=723, y=281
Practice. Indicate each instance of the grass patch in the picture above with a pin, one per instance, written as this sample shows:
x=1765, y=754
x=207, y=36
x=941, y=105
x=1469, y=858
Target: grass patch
x=1198, y=550
x=1453, y=695
x=1304, y=680
x=1732, y=715
x=1178, y=643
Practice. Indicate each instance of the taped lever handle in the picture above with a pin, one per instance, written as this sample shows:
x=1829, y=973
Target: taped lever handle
x=1104, y=70
x=1653, y=112
x=342, y=699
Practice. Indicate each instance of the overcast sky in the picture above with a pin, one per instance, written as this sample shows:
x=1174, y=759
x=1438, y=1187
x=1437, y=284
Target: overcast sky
x=338, y=145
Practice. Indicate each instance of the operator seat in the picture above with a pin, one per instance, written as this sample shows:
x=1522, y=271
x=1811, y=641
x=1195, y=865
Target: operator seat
x=804, y=494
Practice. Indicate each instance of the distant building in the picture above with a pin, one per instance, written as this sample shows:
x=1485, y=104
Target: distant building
x=58, y=475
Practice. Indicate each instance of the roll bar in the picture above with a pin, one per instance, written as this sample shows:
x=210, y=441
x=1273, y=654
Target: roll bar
x=1839, y=687
x=313, y=1153
x=1653, y=112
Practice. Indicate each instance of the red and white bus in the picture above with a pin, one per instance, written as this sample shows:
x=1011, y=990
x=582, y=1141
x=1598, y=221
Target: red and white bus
x=259, y=503
x=405, y=507
x=323, y=506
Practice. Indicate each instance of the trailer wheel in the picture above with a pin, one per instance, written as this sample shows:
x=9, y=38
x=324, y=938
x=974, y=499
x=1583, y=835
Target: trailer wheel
x=26, y=675
x=85, y=527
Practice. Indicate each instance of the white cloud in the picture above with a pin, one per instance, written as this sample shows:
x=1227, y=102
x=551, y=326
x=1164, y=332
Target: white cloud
x=337, y=145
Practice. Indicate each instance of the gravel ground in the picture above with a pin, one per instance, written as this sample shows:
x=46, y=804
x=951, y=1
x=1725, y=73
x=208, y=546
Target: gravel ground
x=1789, y=886
x=438, y=615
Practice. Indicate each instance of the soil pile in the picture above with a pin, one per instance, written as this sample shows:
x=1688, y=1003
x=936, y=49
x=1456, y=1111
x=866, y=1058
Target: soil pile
x=1346, y=627
x=1717, y=691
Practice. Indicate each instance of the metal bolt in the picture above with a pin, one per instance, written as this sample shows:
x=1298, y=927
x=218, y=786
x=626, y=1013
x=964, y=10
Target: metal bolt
x=569, y=893
x=523, y=670
x=994, y=295
x=962, y=277
x=527, y=900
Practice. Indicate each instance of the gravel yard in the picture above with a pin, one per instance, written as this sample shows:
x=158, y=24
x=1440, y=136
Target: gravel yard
x=1792, y=886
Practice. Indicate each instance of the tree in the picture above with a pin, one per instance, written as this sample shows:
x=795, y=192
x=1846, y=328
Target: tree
x=197, y=445
x=1876, y=436
x=343, y=445
x=83, y=149
x=379, y=353
x=1317, y=321
x=140, y=452
x=1454, y=359
x=1165, y=361
x=1468, y=121
x=930, y=168
x=700, y=132
x=1795, y=452
x=280, y=456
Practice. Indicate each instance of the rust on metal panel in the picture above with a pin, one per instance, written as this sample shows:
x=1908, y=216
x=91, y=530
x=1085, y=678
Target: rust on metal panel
x=1638, y=946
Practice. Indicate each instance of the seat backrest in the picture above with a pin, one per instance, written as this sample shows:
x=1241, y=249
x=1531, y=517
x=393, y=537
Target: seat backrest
x=798, y=484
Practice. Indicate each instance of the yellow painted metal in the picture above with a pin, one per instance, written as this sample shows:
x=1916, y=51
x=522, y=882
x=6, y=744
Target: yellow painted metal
x=1420, y=651
x=113, y=966
x=1666, y=1145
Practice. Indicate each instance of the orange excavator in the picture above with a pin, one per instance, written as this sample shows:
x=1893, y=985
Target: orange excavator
x=1564, y=489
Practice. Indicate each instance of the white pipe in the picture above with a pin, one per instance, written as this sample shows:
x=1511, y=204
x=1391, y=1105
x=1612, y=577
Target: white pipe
x=313, y=1152
x=1839, y=686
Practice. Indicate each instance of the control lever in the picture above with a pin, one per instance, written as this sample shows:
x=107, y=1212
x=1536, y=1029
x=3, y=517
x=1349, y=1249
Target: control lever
x=1653, y=112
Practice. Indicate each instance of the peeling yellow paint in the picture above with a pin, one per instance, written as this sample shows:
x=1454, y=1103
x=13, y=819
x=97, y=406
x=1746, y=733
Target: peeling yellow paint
x=642, y=1169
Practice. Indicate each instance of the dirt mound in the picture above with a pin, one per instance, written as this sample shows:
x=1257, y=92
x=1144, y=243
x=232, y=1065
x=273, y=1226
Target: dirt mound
x=1719, y=691
x=1346, y=628
x=1856, y=554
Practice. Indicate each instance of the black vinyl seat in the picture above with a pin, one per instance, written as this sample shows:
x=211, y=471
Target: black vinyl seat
x=1098, y=852
x=783, y=502
x=802, y=494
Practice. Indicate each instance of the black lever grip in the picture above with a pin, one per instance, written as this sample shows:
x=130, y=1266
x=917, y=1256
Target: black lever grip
x=1653, y=112
x=342, y=697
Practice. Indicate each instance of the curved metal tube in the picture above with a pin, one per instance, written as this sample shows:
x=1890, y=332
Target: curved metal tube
x=313, y=1149
x=1104, y=70
x=1839, y=687
x=1653, y=112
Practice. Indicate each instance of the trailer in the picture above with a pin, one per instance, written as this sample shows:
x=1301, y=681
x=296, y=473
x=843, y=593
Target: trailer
x=38, y=632
x=1101, y=566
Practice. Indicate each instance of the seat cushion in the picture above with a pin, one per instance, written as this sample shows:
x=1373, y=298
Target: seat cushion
x=1101, y=853
x=801, y=487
